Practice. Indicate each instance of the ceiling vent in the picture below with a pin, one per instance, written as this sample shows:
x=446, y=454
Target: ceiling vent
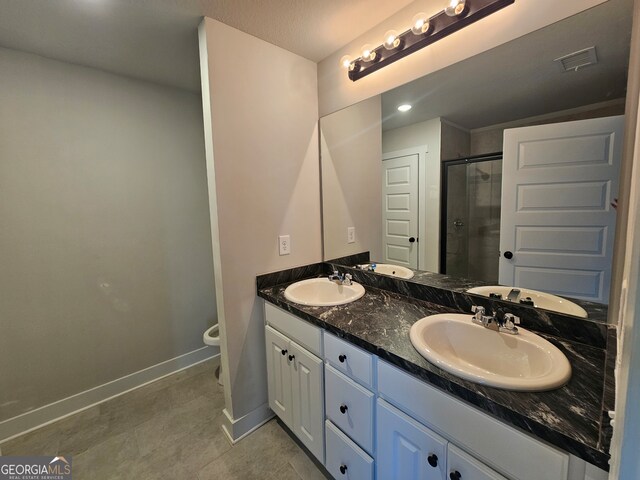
x=577, y=60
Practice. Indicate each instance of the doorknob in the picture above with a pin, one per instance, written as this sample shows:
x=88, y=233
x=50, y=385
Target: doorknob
x=508, y=255
x=412, y=239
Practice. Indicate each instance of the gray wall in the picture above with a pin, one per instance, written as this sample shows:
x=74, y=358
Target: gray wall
x=105, y=247
x=454, y=142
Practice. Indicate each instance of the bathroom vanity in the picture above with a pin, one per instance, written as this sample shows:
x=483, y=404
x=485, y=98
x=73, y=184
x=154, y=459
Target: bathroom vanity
x=349, y=384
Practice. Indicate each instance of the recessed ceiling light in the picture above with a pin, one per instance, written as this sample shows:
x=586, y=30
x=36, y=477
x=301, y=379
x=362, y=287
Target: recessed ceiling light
x=404, y=108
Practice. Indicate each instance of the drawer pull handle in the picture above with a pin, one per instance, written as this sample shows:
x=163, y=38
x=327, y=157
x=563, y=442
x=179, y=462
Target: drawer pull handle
x=342, y=358
x=284, y=352
x=291, y=357
x=455, y=475
x=343, y=469
x=433, y=460
x=343, y=409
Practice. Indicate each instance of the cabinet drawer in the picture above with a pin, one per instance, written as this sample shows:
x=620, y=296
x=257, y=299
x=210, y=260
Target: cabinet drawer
x=349, y=359
x=303, y=333
x=468, y=467
x=506, y=449
x=350, y=407
x=342, y=452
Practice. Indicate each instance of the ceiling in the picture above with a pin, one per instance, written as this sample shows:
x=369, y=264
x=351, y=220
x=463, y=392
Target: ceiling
x=156, y=40
x=520, y=79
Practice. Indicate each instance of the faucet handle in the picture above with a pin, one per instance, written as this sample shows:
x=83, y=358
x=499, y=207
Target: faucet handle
x=478, y=309
x=511, y=320
x=509, y=324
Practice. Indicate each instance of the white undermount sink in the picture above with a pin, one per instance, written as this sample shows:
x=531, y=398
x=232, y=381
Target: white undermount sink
x=524, y=362
x=393, y=270
x=540, y=299
x=322, y=292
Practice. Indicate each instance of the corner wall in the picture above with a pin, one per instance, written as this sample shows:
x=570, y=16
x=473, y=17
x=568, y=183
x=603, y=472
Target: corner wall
x=261, y=112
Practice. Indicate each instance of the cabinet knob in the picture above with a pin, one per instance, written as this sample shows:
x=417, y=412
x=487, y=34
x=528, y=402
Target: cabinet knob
x=343, y=409
x=343, y=469
x=455, y=475
x=342, y=358
x=284, y=352
x=291, y=357
x=433, y=460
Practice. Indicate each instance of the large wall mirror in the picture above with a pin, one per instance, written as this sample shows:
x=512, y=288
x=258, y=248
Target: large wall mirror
x=501, y=169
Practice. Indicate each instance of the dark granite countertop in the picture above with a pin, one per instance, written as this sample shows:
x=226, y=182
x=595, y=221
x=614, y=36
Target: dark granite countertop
x=571, y=418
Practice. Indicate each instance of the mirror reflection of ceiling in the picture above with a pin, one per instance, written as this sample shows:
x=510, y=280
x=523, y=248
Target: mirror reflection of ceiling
x=520, y=79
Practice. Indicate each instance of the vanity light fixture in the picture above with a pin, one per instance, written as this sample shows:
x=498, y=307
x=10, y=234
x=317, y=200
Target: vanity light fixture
x=424, y=31
x=405, y=107
x=420, y=24
x=456, y=8
x=391, y=40
x=368, y=53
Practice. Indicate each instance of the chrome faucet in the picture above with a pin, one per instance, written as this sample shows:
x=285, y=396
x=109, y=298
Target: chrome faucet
x=371, y=267
x=514, y=294
x=341, y=279
x=499, y=321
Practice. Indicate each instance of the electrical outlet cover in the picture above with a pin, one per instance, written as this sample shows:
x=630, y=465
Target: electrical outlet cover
x=284, y=244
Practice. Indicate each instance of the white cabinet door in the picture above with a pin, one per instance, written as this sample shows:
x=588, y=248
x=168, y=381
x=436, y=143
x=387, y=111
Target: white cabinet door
x=279, y=375
x=408, y=450
x=462, y=466
x=308, y=412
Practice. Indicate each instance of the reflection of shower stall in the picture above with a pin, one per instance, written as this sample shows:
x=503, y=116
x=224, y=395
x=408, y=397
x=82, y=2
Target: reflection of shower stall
x=470, y=217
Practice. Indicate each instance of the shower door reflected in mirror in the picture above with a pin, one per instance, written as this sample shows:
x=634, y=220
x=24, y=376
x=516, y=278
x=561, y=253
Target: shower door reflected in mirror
x=471, y=190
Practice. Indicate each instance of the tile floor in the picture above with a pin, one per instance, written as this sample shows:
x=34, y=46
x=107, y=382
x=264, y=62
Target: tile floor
x=169, y=429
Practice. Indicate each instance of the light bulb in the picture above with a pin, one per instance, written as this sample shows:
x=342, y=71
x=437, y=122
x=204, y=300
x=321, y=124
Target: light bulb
x=391, y=40
x=346, y=62
x=368, y=53
x=420, y=24
x=455, y=8
x=405, y=107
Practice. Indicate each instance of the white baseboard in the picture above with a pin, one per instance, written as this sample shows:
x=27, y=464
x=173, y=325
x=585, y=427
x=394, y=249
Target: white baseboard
x=52, y=412
x=237, y=429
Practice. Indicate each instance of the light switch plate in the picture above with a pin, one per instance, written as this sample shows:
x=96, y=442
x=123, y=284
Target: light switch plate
x=351, y=235
x=284, y=244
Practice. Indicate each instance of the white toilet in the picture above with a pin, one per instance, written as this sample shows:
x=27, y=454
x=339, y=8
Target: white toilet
x=212, y=337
